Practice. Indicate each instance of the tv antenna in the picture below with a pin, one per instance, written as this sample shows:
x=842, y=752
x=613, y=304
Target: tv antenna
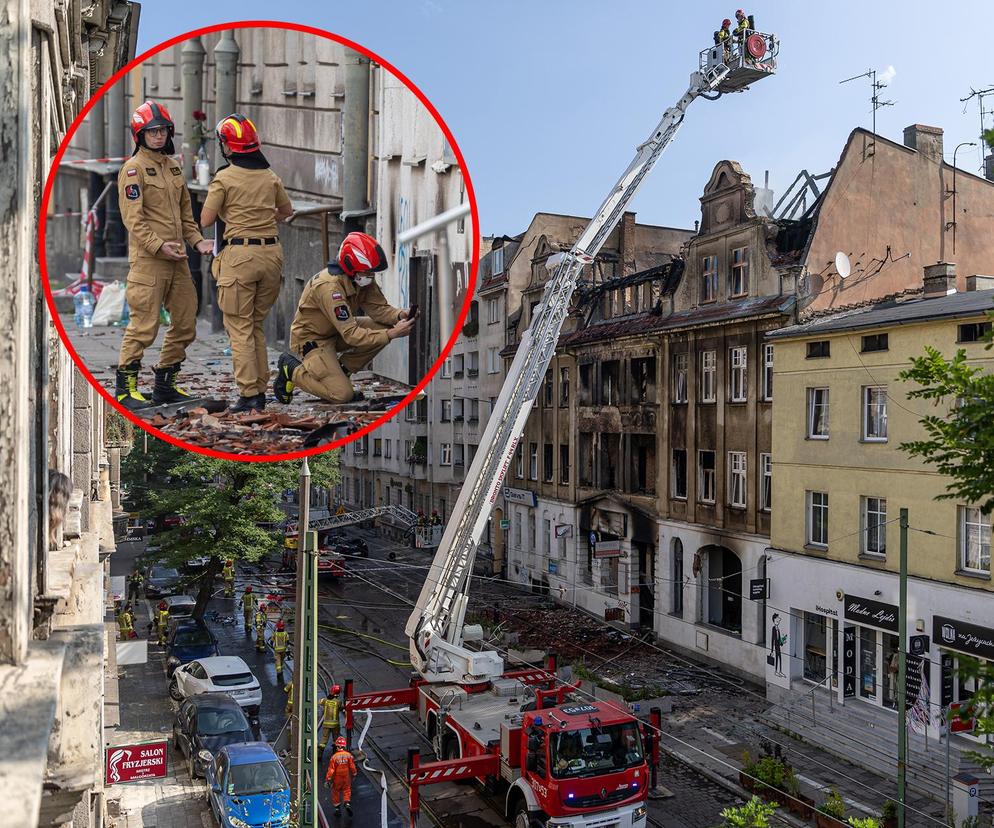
x=980, y=94
x=875, y=86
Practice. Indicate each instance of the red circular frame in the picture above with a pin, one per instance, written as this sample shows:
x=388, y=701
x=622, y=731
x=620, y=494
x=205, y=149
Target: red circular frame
x=470, y=194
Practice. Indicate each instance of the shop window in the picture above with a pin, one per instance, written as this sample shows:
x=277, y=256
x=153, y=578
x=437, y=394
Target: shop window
x=867, y=663
x=815, y=652
x=724, y=590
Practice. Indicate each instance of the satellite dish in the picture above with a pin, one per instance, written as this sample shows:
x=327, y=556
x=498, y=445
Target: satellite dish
x=842, y=265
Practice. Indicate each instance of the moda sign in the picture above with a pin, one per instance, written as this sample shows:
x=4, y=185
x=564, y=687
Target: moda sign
x=871, y=613
x=129, y=763
x=967, y=638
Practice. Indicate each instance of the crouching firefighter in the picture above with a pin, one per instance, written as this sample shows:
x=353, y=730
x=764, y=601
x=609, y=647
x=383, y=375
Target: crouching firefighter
x=329, y=341
x=156, y=209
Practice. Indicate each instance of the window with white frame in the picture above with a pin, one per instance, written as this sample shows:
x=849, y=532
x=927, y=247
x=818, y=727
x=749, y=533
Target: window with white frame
x=493, y=310
x=709, y=369
x=533, y=461
x=975, y=540
x=445, y=454
x=768, y=371
x=447, y=367
x=705, y=476
x=873, y=525
x=737, y=373
x=817, y=413
x=737, y=479
x=875, y=413
x=446, y=410
x=497, y=261
x=493, y=361
x=680, y=378
x=739, y=285
x=817, y=522
x=520, y=461
x=709, y=279
x=564, y=386
x=766, y=482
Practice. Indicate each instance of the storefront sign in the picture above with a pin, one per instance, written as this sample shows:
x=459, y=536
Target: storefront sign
x=946, y=685
x=759, y=588
x=522, y=496
x=505, y=523
x=129, y=763
x=564, y=530
x=849, y=662
x=871, y=613
x=553, y=568
x=967, y=638
x=607, y=549
x=826, y=611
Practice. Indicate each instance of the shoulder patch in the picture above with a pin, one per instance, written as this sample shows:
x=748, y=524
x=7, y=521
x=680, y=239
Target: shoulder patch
x=342, y=313
x=176, y=170
x=150, y=170
x=132, y=172
x=337, y=295
x=132, y=192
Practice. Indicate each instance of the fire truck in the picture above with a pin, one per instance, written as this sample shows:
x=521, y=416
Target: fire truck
x=555, y=757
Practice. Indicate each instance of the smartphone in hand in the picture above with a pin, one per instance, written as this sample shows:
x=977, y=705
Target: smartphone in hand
x=412, y=312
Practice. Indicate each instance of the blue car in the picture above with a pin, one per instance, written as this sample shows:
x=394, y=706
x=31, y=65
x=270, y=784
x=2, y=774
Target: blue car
x=247, y=787
x=188, y=641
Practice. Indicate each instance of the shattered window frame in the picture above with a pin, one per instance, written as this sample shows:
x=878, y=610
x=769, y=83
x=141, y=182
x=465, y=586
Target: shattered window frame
x=681, y=369
x=709, y=279
x=564, y=463
x=709, y=376
x=738, y=376
x=739, y=280
x=765, y=482
x=548, y=461
x=706, y=477
x=563, y=386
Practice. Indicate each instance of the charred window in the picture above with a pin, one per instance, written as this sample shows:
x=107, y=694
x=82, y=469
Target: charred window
x=643, y=381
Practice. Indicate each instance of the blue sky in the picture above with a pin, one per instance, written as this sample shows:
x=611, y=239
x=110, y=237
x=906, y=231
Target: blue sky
x=548, y=99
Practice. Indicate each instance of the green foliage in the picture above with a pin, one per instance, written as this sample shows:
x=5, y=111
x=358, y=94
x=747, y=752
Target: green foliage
x=226, y=505
x=960, y=441
x=864, y=822
x=889, y=811
x=980, y=705
x=833, y=806
x=754, y=814
x=988, y=136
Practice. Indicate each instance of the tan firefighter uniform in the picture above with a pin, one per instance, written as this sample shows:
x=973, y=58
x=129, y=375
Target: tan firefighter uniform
x=228, y=573
x=162, y=624
x=260, y=630
x=330, y=707
x=248, y=602
x=288, y=689
x=155, y=207
x=249, y=269
x=281, y=639
x=326, y=328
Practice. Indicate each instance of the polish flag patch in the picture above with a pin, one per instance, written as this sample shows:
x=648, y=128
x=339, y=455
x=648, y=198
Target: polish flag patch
x=337, y=295
x=132, y=172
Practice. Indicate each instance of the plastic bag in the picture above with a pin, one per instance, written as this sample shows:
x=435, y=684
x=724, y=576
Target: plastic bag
x=110, y=305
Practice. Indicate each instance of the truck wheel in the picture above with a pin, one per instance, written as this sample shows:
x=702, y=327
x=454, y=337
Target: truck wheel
x=522, y=819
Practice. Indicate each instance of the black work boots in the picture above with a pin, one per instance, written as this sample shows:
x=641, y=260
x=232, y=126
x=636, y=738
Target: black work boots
x=283, y=382
x=126, y=388
x=253, y=403
x=165, y=389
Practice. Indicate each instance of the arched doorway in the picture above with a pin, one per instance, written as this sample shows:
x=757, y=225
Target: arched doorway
x=723, y=571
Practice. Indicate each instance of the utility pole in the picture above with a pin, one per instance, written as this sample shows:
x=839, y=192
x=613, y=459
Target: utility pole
x=902, y=669
x=303, y=739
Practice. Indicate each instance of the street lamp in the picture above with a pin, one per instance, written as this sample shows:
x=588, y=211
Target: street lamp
x=953, y=222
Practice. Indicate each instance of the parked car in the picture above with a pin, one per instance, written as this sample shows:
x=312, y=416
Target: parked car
x=248, y=786
x=162, y=581
x=188, y=641
x=206, y=723
x=354, y=546
x=218, y=674
x=196, y=563
x=180, y=607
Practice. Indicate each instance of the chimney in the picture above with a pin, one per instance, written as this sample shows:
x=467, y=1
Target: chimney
x=989, y=167
x=940, y=280
x=626, y=243
x=979, y=282
x=927, y=140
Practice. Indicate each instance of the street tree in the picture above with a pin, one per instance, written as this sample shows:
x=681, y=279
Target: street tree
x=224, y=508
x=960, y=444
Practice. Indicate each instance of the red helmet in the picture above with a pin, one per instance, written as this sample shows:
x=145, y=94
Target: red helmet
x=361, y=253
x=238, y=134
x=262, y=607
x=148, y=116
x=279, y=624
x=248, y=589
x=340, y=742
x=726, y=23
x=229, y=560
x=739, y=13
x=335, y=689
x=162, y=604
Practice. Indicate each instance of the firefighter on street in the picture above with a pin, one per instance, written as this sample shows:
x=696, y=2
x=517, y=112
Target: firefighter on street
x=135, y=583
x=260, y=628
x=328, y=340
x=288, y=689
x=331, y=707
x=126, y=623
x=249, y=198
x=248, y=601
x=156, y=209
x=228, y=573
x=162, y=621
x=281, y=640
x=341, y=772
